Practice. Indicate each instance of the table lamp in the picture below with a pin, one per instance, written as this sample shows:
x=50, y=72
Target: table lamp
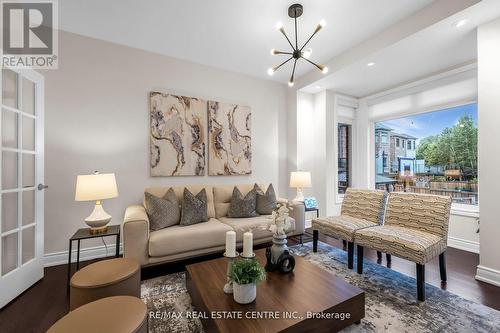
x=300, y=180
x=96, y=187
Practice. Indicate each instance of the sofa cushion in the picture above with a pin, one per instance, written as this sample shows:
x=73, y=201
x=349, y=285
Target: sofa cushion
x=266, y=202
x=194, y=207
x=179, y=239
x=243, y=206
x=342, y=227
x=179, y=192
x=414, y=245
x=162, y=212
x=255, y=224
x=223, y=193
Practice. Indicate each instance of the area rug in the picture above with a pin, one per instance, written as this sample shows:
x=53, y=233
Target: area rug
x=391, y=304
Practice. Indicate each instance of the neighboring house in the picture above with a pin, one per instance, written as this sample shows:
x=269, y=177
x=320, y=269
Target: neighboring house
x=390, y=146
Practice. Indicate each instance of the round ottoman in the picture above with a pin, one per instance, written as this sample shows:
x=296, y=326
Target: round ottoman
x=118, y=314
x=114, y=277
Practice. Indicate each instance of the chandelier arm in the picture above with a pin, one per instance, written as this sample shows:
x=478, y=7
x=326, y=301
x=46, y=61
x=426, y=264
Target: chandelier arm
x=314, y=64
x=296, y=40
x=281, y=52
x=307, y=41
x=284, y=62
x=293, y=70
x=289, y=42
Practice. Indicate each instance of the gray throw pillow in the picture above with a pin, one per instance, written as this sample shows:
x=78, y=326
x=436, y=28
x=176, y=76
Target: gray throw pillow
x=194, y=208
x=266, y=202
x=243, y=206
x=162, y=212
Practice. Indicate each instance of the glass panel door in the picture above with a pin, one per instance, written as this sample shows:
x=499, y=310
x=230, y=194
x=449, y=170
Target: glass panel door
x=21, y=168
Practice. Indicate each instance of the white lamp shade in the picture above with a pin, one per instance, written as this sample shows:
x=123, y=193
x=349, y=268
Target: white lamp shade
x=96, y=187
x=300, y=179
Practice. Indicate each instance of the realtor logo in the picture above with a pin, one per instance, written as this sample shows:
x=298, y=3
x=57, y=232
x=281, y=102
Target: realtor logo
x=29, y=34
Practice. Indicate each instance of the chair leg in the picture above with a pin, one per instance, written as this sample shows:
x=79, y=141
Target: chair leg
x=315, y=240
x=344, y=245
x=388, y=257
x=442, y=266
x=421, y=282
x=350, y=255
x=379, y=256
x=360, y=259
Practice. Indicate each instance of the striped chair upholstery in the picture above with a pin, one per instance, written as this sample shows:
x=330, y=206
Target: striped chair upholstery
x=415, y=227
x=360, y=209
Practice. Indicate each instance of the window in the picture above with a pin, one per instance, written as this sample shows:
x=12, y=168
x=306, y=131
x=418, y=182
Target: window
x=384, y=137
x=397, y=142
x=344, y=157
x=440, y=155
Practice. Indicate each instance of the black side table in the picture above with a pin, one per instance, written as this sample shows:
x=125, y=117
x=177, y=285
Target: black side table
x=84, y=233
x=313, y=210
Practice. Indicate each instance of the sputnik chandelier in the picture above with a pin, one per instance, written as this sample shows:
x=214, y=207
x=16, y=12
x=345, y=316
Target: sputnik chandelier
x=295, y=11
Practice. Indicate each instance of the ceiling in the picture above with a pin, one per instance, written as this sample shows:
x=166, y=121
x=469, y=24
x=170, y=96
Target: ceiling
x=432, y=50
x=235, y=35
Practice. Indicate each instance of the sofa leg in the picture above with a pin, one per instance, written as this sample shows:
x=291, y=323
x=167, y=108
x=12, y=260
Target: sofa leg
x=421, y=282
x=442, y=266
x=344, y=245
x=350, y=255
x=360, y=259
x=300, y=239
x=388, y=257
x=315, y=240
x=379, y=257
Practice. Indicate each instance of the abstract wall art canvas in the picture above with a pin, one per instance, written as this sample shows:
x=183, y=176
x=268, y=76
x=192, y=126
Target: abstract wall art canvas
x=177, y=135
x=229, y=139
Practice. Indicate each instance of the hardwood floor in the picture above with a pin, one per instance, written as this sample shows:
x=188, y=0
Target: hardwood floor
x=47, y=301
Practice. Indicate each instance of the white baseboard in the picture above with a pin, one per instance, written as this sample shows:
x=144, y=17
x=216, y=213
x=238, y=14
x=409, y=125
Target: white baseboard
x=488, y=275
x=60, y=258
x=463, y=244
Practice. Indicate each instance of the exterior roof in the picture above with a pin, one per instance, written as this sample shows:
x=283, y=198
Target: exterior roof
x=382, y=127
x=403, y=135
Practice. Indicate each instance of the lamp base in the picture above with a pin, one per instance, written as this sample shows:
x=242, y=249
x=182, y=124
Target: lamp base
x=299, y=196
x=101, y=230
x=98, y=220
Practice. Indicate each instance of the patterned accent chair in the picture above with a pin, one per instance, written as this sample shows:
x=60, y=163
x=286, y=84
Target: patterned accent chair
x=415, y=228
x=360, y=209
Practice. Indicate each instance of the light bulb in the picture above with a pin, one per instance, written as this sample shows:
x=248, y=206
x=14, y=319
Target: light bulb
x=273, y=51
x=307, y=53
x=322, y=23
x=324, y=70
x=270, y=71
x=461, y=23
x=279, y=25
x=290, y=83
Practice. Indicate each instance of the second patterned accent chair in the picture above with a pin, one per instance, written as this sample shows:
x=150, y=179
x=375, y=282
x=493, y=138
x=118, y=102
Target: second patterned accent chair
x=415, y=228
x=360, y=209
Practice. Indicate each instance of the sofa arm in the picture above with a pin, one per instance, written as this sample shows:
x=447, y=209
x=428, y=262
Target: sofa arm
x=136, y=234
x=298, y=212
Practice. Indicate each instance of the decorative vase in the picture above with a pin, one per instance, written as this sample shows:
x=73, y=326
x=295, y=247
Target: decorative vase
x=278, y=248
x=244, y=293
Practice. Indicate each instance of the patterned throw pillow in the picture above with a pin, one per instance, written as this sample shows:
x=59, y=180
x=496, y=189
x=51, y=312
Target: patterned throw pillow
x=162, y=212
x=266, y=202
x=194, y=208
x=243, y=206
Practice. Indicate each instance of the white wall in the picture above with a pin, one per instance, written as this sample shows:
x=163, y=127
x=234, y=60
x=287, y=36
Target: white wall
x=97, y=119
x=489, y=149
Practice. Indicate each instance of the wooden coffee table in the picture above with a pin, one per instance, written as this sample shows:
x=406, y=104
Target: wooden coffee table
x=283, y=301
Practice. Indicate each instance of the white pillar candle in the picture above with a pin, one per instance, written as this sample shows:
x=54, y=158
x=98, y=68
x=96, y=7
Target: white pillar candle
x=247, y=244
x=230, y=243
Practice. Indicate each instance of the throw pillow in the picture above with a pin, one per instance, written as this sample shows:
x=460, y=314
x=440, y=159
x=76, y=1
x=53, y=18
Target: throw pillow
x=266, y=202
x=194, y=208
x=162, y=212
x=243, y=206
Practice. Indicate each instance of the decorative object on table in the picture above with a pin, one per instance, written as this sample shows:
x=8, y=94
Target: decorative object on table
x=231, y=255
x=278, y=257
x=96, y=187
x=177, y=135
x=310, y=203
x=295, y=11
x=245, y=274
x=247, y=246
x=300, y=180
x=229, y=139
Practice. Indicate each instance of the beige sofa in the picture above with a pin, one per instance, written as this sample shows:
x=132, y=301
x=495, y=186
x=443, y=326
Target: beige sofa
x=182, y=242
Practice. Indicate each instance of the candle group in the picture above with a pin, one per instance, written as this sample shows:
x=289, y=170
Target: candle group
x=247, y=244
x=230, y=244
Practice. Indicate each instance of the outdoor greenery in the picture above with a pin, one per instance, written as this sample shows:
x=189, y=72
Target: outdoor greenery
x=247, y=271
x=454, y=148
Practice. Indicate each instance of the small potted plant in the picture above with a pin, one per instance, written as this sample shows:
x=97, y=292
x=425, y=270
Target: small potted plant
x=245, y=275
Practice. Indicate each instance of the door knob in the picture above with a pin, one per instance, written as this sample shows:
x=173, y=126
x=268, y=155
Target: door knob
x=42, y=187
